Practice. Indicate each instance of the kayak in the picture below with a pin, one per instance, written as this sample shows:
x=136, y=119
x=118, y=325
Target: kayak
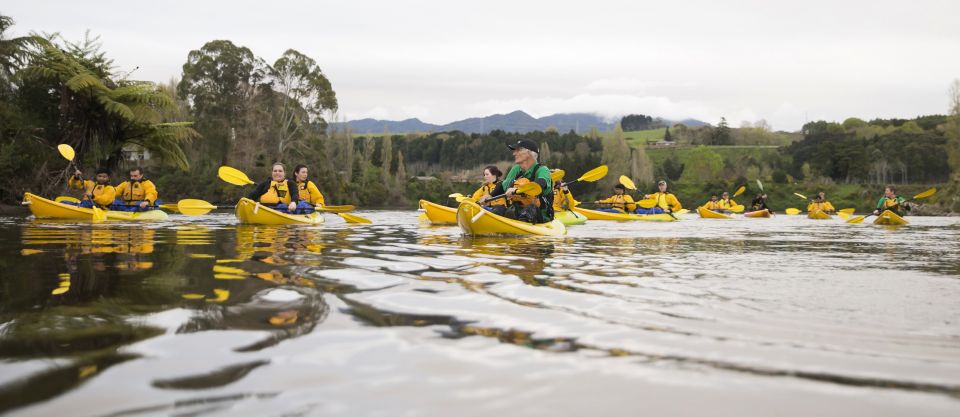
x=710, y=214
x=438, y=214
x=249, y=212
x=476, y=221
x=570, y=218
x=818, y=215
x=889, y=218
x=603, y=215
x=758, y=213
x=43, y=208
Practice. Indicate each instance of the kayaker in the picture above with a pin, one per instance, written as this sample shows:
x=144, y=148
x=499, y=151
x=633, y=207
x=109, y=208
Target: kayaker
x=891, y=201
x=538, y=209
x=100, y=192
x=277, y=191
x=619, y=202
x=307, y=190
x=726, y=203
x=713, y=204
x=760, y=203
x=666, y=202
x=562, y=198
x=819, y=203
x=491, y=178
x=138, y=191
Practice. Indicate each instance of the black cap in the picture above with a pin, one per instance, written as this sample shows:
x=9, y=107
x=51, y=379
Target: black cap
x=103, y=170
x=620, y=186
x=525, y=144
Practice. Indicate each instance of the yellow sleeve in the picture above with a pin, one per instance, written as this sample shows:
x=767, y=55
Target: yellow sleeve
x=810, y=207
x=558, y=200
x=482, y=191
x=107, y=195
x=316, y=197
x=149, y=191
x=80, y=184
x=674, y=203
x=630, y=206
x=120, y=188
x=828, y=207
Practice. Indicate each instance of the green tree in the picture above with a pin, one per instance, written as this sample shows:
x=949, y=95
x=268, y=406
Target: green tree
x=305, y=95
x=666, y=136
x=721, y=136
x=616, y=155
x=703, y=165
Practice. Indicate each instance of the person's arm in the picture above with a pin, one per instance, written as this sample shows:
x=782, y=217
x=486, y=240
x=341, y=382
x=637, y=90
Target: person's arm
x=629, y=203
x=259, y=191
x=149, y=191
x=78, y=183
x=294, y=191
x=120, y=188
x=542, y=177
x=507, y=182
x=316, y=197
x=107, y=195
x=674, y=203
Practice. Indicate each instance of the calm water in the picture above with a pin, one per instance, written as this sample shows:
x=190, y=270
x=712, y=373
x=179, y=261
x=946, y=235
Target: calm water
x=202, y=317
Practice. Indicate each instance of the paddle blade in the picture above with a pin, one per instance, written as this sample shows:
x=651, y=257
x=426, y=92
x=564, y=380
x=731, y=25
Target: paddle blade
x=98, y=215
x=170, y=207
x=557, y=175
x=760, y=184
x=793, y=211
x=194, y=207
x=800, y=195
x=353, y=218
x=847, y=210
x=855, y=220
x=737, y=209
x=455, y=195
x=233, y=176
x=67, y=199
x=740, y=190
x=66, y=151
x=843, y=215
x=594, y=174
x=627, y=182
x=530, y=188
x=346, y=208
x=926, y=194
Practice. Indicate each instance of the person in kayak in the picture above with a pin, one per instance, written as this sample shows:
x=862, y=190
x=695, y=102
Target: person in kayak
x=100, y=192
x=820, y=203
x=137, y=193
x=760, y=203
x=619, y=202
x=713, y=204
x=491, y=178
x=310, y=195
x=726, y=204
x=666, y=202
x=278, y=192
x=532, y=209
x=562, y=198
x=891, y=201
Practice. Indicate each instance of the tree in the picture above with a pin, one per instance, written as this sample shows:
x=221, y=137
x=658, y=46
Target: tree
x=305, y=94
x=666, y=136
x=672, y=167
x=635, y=122
x=13, y=53
x=952, y=129
x=616, y=155
x=703, y=165
x=721, y=136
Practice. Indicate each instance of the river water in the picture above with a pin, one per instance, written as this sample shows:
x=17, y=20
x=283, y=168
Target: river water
x=200, y=316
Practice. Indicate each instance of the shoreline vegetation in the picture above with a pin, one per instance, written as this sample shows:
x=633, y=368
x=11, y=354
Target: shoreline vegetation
x=230, y=106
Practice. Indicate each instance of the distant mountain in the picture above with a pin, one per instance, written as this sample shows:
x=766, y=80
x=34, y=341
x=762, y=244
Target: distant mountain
x=517, y=121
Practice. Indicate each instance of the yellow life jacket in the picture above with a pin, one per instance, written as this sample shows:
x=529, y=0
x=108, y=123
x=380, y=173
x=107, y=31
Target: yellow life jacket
x=277, y=193
x=726, y=204
x=309, y=192
x=712, y=205
x=137, y=191
x=487, y=189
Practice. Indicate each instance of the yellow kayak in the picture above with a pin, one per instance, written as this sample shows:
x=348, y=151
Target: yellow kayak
x=603, y=215
x=758, y=213
x=570, y=218
x=49, y=209
x=710, y=214
x=889, y=218
x=818, y=215
x=476, y=221
x=438, y=214
x=249, y=212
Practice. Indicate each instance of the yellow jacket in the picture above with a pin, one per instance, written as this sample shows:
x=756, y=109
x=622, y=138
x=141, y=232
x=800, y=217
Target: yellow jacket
x=563, y=200
x=825, y=207
x=667, y=200
x=618, y=202
x=712, y=205
x=143, y=190
x=103, y=195
x=486, y=189
x=727, y=204
x=310, y=193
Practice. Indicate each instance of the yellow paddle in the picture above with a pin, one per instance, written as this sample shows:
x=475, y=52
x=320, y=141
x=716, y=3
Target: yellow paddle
x=628, y=183
x=236, y=177
x=793, y=211
x=740, y=191
x=737, y=208
x=66, y=151
x=557, y=175
x=98, y=214
x=335, y=209
x=800, y=195
x=591, y=175
x=233, y=176
x=455, y=195
x=530, y=189
x=925, y=194
x=194, y=207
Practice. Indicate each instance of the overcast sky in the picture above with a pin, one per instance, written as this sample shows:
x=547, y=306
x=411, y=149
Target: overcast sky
x=440, y=61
